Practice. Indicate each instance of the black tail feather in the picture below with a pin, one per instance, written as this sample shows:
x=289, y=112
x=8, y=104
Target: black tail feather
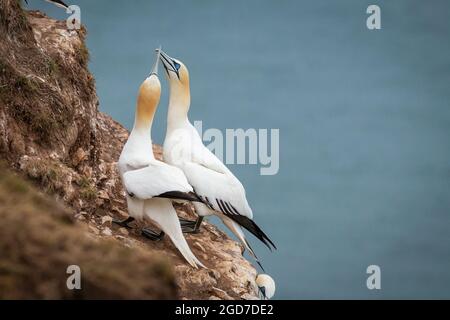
x=253, y=228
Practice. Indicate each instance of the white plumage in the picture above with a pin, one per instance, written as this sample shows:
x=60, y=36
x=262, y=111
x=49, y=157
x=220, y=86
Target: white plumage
x=146, y=178
x=221, y=192
x=154, y=180
x=209, y=176
x=266, y=286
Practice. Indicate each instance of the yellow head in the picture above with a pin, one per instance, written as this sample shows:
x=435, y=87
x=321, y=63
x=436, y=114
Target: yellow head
x=148, y=99
x=178, y=76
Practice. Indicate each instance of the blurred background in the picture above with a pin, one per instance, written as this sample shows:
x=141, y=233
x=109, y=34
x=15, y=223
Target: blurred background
x=364, y=119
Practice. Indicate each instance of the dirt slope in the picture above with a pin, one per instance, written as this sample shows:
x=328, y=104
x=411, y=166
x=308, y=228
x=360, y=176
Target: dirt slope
x=52, y=134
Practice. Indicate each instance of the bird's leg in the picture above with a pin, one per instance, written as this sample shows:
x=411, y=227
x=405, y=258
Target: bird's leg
x=152, y=235
x=193, y=227
x=198, y=224
x=124, y=223
x=185, y=222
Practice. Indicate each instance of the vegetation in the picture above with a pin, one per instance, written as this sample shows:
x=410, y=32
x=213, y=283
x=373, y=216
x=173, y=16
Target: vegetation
x=39, y=240
x=88, y=191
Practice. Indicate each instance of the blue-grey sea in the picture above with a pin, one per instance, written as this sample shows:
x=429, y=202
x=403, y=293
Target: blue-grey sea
x=364, y=119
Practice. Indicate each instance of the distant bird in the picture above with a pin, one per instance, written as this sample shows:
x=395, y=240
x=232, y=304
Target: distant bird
x=221, y=192
x=149, y=183
x=266, y=286
x=58, y=3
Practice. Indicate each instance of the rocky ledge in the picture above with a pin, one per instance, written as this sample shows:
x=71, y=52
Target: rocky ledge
x=53, y=136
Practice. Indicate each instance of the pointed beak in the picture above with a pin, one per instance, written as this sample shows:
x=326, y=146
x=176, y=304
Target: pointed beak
x=155, y=66
x=169, y=64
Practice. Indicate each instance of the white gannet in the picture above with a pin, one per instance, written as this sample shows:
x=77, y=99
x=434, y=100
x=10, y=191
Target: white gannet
x=150, y=184
x=266, y=286
x=221, y=192
x=58, y=3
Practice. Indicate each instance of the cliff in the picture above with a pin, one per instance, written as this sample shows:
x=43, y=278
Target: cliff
x=53, y=136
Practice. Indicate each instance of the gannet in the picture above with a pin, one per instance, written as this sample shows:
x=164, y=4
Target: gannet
x=58, y=3
x=149, y=183
x=266, y=286
x=221, y=192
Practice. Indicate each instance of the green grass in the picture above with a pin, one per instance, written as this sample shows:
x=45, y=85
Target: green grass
x=82, y=54
x=87, y=189
x=39, y=240
x=25, y=84
x=52, y=67
x=40, y=120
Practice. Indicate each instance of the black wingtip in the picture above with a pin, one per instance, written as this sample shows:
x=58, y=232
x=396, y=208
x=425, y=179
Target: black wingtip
x=178, y=195
x=63, y=4
x=261, y=235
x=253, y=228
x=59, y=3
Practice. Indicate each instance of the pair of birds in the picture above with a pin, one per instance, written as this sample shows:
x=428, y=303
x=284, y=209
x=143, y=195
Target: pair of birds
x=151, y=185
x=191, y=172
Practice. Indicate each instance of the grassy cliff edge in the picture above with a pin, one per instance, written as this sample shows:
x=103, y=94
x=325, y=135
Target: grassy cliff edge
x=61, y=187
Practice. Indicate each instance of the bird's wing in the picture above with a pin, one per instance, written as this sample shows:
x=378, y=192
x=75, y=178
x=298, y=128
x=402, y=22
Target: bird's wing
x=219, y=191
x=127, y=164
x=211, y=178
x=58, y=3
x=206, y=158
x=225, y=194
x=156, y=180
x=136, y=165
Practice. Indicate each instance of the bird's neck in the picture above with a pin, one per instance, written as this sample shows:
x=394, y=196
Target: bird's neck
x=139, y=138
x=144, y=119
x=179, y=104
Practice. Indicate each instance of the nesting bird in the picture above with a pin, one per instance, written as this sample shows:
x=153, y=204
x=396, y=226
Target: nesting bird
x=149, y=183
x=221, y=193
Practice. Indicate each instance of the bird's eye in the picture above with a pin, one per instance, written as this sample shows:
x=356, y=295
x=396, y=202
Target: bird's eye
x=177, y=65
